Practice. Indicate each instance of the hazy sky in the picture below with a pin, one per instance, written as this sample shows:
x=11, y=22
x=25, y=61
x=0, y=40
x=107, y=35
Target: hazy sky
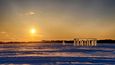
x=56, y=19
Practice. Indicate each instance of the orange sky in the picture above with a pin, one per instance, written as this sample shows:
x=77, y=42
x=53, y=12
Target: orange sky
x=56, y=20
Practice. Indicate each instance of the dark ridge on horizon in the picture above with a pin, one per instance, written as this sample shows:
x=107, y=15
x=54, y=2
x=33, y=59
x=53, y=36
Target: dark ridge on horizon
x=60, y=41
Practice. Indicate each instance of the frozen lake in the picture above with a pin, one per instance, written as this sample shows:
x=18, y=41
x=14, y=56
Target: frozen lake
x=56, y=54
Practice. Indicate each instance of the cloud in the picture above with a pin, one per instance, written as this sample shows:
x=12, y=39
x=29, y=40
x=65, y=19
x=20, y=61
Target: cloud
x=3, y=32
x=30, y=13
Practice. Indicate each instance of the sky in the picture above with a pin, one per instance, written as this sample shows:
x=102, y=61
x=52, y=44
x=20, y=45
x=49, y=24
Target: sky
x=28, y=20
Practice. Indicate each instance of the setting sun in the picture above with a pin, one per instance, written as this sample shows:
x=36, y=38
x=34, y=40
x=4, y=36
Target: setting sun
x=33, y=31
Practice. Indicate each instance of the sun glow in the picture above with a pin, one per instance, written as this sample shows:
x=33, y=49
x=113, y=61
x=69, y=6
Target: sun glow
x=33, y=31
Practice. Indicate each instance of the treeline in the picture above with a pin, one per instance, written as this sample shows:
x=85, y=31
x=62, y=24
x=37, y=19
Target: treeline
x=60, y=41
x=71, y=41
x=105, y=41
x=57, y=41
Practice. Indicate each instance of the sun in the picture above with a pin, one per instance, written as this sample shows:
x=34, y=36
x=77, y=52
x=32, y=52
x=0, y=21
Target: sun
x=33, y=31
